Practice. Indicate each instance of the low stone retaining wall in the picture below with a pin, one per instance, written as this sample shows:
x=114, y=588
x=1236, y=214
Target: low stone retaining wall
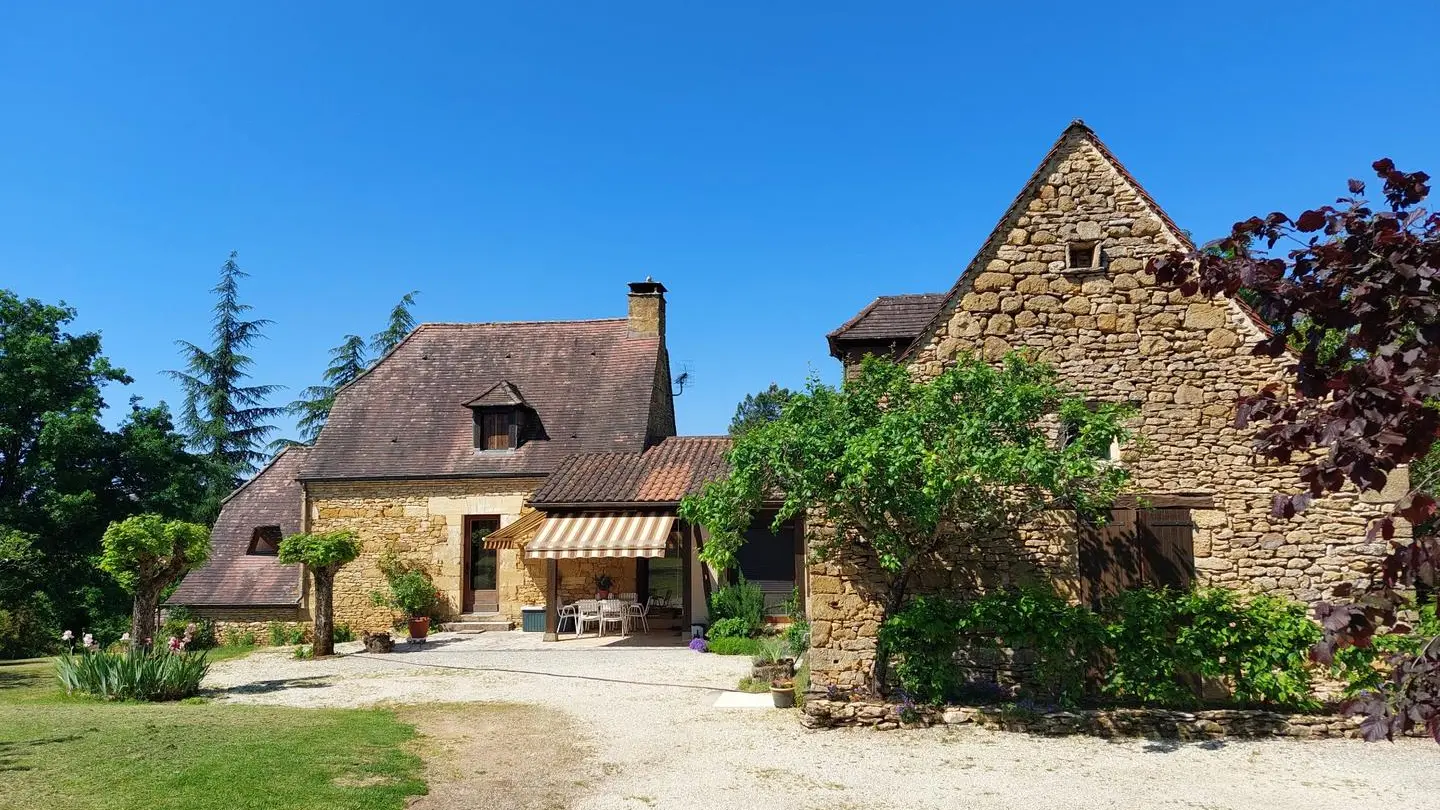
x=1209, y=724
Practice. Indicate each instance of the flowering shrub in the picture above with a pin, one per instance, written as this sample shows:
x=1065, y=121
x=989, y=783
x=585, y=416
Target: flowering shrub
x=699, y=645
x=139, y=674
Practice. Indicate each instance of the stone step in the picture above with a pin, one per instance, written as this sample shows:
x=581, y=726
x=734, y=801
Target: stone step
x=489, y=625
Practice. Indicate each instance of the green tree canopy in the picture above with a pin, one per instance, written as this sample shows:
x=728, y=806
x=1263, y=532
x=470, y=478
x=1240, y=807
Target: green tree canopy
x=227, y=419
x=146, y=553
x=911, y=471
x=322, y=554
x=400, y=324
x=312, y=409
x=758, y=409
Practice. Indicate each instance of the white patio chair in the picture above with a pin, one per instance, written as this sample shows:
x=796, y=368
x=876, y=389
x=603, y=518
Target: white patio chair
x=570, y=611
x=612, y=611
x=587, y=611
x=629, y=597
x=639, y=611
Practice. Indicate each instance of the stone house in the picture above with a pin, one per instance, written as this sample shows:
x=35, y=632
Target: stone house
x=1062, y=275
x=435, y=447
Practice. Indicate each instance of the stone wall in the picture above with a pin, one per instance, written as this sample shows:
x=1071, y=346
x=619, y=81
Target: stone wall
x=1113, y=334
x=423, y=521
x=233, y=623
x=1211, y=724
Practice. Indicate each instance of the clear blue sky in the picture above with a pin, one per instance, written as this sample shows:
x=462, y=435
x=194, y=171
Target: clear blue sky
x=776, y=169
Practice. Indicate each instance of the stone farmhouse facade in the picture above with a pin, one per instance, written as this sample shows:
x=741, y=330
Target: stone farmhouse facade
x=435, y=447
x=1061, y=276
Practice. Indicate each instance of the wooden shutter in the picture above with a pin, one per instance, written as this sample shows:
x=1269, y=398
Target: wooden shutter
x=1110, y=561
x=1168, y=546
x=497, y=430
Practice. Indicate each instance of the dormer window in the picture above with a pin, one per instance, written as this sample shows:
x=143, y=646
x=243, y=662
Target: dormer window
x=264, y=541
x=498, y=428
x=503, y=420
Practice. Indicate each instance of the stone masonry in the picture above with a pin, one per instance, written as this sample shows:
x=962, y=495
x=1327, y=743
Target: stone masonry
x=424, y=522
x=1114, y=334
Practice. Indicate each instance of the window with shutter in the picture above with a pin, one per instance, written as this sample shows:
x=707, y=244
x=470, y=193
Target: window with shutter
x=1137, y=548
x=499, y=428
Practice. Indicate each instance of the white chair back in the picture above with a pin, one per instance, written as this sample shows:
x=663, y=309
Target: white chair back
x=588, y=605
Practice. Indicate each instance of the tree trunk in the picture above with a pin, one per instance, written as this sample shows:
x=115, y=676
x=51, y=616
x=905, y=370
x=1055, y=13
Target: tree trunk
x=324, y=611
x=879, y=672
x=142, y=619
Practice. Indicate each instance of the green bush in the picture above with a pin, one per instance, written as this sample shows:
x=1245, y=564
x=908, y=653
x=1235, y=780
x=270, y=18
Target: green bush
x=344, y=633
x=29, y=628
x=742, y=601
x=1151, y=647
x=284, y=635
x=730, y=628
x=797, y=633
x=139, y=674
x=236, y=638
x=735, y=645
x=410, y=589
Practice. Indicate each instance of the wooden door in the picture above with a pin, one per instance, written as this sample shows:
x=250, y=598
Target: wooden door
x=480, y=588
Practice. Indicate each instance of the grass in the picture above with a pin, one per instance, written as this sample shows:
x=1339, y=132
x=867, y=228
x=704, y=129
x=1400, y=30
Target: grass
x=59, y=751
x=230, y=652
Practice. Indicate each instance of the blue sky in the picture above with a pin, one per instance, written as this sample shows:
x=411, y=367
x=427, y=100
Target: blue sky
x=776, y=169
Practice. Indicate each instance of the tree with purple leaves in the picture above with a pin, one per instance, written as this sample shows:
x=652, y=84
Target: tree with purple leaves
x=1355, y=301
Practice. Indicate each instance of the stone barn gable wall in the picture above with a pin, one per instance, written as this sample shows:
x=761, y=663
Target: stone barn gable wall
x=1115, y=335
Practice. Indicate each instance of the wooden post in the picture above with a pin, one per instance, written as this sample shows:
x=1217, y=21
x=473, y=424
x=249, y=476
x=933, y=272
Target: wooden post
x=552, y=600
x=687, y=588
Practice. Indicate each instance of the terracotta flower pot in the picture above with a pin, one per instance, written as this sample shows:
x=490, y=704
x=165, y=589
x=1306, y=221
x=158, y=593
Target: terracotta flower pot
x=420, y=627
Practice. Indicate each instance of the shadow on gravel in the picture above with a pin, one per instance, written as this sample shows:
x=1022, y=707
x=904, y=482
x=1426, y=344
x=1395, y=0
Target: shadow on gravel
x=1171, y=746
x=277, y=685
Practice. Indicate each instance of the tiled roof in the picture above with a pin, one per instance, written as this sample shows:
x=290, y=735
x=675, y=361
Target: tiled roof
x=889, y=317
x=665, y=473
x=589, y=384
x=233, y=577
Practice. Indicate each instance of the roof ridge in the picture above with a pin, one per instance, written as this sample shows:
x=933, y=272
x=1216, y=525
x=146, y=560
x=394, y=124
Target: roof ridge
x=1076, y=126
x=552, y=322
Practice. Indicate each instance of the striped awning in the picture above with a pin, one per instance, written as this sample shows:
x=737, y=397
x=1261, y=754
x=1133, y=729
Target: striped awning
x=515, y=532
x=602, y=534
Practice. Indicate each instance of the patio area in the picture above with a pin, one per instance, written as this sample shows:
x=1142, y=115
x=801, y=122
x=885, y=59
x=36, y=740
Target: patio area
x=644, y=717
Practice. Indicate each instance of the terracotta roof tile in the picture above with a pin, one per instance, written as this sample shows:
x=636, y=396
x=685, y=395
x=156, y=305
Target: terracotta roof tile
x=588, y=382
x=665, y=473
x=232, y=576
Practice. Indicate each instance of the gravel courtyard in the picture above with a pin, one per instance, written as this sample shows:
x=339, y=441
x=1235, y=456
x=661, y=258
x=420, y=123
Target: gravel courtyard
x=652, y=738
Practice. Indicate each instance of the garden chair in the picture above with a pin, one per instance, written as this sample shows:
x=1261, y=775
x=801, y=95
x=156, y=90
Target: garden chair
x=612, y=611
x=571, y=612
x=635, y=610
x=629, y=597
x=586, y=611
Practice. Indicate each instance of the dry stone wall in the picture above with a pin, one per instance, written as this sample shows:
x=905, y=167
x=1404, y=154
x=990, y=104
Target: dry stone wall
x=424, y=522
x=1114, y=334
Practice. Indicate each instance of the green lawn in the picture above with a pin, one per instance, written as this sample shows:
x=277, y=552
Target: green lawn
x=62, y=752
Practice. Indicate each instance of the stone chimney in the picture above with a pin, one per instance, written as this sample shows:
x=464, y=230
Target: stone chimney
x=647, y=308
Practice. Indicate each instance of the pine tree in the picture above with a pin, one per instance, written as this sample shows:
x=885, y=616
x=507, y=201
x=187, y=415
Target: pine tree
x=347, y=361
x=225, y=419
x=401, y=324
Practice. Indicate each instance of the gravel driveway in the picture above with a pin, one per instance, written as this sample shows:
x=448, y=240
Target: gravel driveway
x=654, y=739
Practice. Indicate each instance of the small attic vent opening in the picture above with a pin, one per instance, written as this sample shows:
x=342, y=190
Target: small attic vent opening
x=1083, y=256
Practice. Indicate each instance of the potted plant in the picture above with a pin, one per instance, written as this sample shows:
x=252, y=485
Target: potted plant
x=414, y=595
x=603, y=584
x=782, y=692
x=771, y=660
